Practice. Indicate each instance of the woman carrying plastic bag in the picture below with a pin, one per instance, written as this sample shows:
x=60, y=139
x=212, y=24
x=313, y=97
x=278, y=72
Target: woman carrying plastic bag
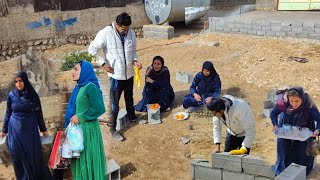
x=84, y=107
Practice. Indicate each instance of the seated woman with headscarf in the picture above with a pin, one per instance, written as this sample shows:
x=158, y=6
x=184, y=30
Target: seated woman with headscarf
x=157, y=88
x=205, y=86
x=295, y=108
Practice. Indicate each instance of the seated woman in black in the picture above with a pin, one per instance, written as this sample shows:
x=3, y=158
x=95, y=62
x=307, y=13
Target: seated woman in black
x=157, y=88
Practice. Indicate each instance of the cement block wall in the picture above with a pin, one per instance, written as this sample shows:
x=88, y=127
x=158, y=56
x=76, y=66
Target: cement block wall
x=309, y=29
x=241, y=167
x=28, y=26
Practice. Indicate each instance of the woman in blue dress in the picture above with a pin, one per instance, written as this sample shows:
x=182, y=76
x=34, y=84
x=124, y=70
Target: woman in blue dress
x=205, y=86
x=22, y=119
x=295, y=107
x=157, y=88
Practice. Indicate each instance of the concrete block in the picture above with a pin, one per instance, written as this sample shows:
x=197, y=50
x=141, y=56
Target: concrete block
x=253, y=32
x=226, y=161
x=293, y=172
x=262, y=178
x=268, y=104
x=317, y=30
x=244, y=31
x=154, y=116
x=275, y=23
x=280, y=34
x=308, y=30
x=303, y=35
x=113, y=170
x=261, y=33
x=231, y=26
x=265, y=28
x=266, y=112
x=238, y=176
x=122, y=119
x=239, y=25
x=185, y=140
x=255, y=165
x=165, y=35
x=276, y=28
x=225, y=29
x=297, y=29
x=212, y=26
x=297, y=24
x=235, y=30
x=272, y=95
x=256, y=27
x=314, y=36
x=146, y=28
x=256, y=22
x=286, y=23
x=204, y=171
x=184, y=77
x=292, y=34
x=286, y=28
x=246, y=21
x=219, y=28
x=214, y=19
x=308, y=24
x=147, y=33
x=247, y=26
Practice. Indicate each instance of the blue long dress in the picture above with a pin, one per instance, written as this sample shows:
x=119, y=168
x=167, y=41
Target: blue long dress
x=204, y=87
x=292, y=151
x=22, y=118
x=160, y=91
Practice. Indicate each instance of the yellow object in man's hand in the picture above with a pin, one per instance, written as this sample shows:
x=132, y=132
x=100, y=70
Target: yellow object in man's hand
x=137, y=75
x=242, y=150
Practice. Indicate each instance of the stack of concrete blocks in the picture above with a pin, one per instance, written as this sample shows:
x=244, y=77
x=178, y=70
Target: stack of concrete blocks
x=269, y=104
x=184, y=77
x=269, y=28
x=158, y=31
x=113, y=170
x=240, y=167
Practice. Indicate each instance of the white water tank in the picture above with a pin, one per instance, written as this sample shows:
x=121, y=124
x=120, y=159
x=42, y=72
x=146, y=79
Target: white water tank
x=161, y=11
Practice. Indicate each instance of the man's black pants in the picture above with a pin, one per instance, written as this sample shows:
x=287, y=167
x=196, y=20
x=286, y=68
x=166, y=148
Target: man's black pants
x=116, y=88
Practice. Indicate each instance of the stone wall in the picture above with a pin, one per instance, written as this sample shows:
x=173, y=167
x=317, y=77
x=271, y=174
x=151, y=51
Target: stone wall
x=13, y=49
x=51, y=25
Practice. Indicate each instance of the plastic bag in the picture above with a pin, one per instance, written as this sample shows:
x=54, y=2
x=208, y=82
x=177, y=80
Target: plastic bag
x=75, y=137
x=66, y=149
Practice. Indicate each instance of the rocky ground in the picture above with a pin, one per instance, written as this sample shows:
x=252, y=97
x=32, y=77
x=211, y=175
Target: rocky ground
x=248, y=66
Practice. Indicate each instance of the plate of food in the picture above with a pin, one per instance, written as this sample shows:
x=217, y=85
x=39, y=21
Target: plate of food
x=180, y=116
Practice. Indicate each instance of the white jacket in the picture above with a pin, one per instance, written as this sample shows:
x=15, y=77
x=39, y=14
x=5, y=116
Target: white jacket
x=240, y=122
x=115, y=55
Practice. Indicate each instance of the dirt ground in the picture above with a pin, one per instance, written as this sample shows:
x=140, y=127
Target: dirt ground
x=248, y=66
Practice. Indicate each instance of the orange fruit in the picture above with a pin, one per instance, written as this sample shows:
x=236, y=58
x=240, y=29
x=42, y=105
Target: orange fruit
x=181, y=116
x=177, y=116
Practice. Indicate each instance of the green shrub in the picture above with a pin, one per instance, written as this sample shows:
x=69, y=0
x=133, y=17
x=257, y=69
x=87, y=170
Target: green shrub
x=71, y=60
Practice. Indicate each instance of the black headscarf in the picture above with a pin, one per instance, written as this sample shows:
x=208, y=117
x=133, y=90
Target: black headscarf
x=28, y=93
x=209, y=66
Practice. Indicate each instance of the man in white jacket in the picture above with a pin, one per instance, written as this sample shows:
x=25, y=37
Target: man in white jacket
x=237, y=115
x=118, y=43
